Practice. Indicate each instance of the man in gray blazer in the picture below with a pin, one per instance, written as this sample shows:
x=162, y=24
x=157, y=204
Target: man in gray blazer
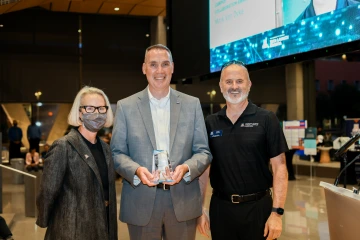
x=160, y=118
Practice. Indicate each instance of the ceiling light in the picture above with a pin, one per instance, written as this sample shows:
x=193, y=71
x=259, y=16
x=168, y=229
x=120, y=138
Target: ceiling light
x=1, y=25
x=116, y=9
x=147, y=35
x=38, y=94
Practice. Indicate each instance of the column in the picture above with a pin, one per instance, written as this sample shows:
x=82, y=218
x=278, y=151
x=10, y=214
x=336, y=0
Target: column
x=158, y=31
x=294, y=91
x=309, y=93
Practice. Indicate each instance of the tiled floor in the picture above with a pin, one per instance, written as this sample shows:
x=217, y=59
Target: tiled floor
x=305, y=216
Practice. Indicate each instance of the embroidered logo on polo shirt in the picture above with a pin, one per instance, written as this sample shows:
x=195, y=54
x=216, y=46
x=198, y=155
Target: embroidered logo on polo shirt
x=216, y=133
x=249, y=125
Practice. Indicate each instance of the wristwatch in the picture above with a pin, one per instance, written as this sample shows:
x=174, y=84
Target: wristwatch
x=279, y=211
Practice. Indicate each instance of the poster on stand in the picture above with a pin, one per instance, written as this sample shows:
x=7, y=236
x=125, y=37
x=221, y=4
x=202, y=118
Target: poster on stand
x=294, y=132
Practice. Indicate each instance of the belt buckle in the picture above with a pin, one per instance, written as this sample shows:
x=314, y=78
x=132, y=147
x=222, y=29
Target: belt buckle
x=232, y=198
x=164, y=187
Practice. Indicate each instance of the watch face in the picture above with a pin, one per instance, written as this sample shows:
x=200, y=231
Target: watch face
x=279, y=211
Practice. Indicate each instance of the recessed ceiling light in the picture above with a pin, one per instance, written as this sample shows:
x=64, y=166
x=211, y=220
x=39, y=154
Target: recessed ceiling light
x=116, y=9
x=1, y=25
x=147, y=35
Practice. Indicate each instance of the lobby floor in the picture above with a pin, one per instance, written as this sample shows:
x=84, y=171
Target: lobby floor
x=305, y=211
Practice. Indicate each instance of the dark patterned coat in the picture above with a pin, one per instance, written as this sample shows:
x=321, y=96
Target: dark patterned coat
x=71, y=201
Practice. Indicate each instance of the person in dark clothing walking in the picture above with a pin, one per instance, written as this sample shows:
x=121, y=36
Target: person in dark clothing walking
x=34, y=135
x=15, y=136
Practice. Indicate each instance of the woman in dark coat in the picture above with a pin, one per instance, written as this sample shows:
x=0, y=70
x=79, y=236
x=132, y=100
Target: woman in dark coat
x=77, y=198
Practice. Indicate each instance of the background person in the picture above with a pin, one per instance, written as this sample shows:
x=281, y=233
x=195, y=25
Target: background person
x=32, y=160
x=317, y=7
x=15, y=135
x=34, y=135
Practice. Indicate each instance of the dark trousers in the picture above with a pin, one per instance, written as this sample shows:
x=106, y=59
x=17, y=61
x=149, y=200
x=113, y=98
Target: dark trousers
x=32, y=168
x=242, y=221
x=14, y=150
x=34, y=143
x=289, y=165
x=4, y=229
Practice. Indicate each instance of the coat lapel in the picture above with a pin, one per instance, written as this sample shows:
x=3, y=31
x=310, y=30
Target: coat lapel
x=175, y=107
x=82, y=149
x=145, y=111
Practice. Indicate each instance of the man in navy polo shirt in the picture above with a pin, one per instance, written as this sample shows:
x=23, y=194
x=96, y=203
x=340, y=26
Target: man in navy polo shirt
x=244, y=139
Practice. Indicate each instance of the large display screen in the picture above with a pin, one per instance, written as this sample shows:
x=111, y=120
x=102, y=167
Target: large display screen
x=254, y=31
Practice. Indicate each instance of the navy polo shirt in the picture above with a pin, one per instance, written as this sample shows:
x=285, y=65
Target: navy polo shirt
x=242, y=151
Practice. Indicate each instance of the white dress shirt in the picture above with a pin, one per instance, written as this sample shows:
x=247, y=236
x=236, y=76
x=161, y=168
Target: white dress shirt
x=160, y=112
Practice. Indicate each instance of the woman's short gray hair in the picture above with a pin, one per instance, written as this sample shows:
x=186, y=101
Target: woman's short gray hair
x=74, y=115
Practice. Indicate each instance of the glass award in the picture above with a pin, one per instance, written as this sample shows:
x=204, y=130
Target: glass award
x=161, y=167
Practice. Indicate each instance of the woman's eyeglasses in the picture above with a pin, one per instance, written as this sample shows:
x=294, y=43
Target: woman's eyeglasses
x=91, y=109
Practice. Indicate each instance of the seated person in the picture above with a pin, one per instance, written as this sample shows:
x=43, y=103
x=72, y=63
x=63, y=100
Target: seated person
x=32, y=160
x=46, y=149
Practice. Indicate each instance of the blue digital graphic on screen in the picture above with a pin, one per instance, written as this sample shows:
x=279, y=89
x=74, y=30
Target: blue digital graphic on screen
x=292, y=9
x=332, y=28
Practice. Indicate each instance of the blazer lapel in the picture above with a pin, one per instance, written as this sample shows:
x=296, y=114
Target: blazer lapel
x=175, y=107
x=145, y=111
x=75, y=139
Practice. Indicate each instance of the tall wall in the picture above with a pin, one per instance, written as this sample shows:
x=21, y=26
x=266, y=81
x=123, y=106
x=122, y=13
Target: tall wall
x=40, y=50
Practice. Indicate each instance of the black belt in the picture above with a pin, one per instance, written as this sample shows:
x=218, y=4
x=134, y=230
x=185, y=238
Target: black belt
x=163, y=186
x=236, y=198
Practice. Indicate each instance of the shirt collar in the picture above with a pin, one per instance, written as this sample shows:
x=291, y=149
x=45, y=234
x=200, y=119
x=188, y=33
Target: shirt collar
x=151, y=97
x=249, y=110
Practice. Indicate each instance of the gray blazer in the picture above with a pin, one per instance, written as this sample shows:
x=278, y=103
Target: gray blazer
x=71, y=199
x=132, y=145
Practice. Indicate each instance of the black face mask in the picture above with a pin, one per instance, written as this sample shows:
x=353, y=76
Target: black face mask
x=94, y=121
